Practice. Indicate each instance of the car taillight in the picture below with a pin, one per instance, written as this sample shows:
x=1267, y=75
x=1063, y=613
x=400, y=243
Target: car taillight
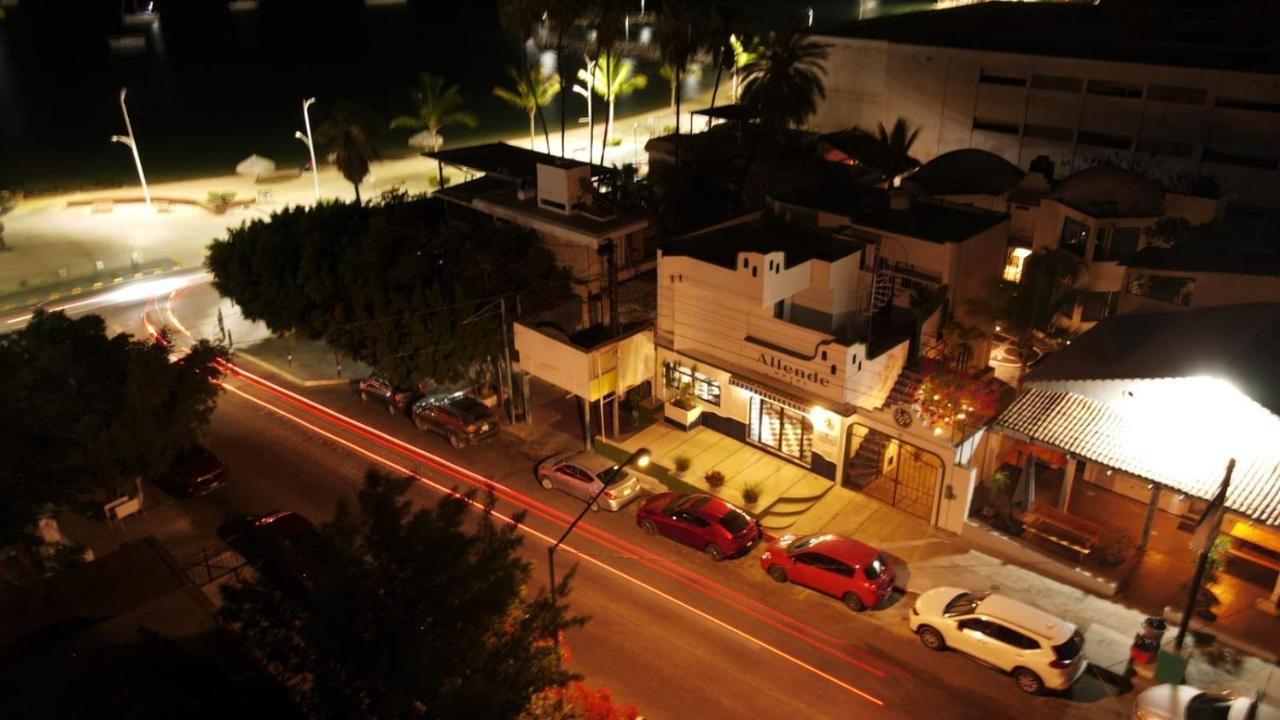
x=608, y=494
x=472, y=428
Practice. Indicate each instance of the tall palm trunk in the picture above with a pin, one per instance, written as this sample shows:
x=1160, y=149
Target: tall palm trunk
x=356, y=185
x=533, y=133
x=719, y=58
x=608, y=118
x=564, y=87
x=678, y=69
x=528, y=78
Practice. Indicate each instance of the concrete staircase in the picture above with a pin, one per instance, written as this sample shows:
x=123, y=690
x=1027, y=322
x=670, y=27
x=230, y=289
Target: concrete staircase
x=864, y=466
x=799, y=499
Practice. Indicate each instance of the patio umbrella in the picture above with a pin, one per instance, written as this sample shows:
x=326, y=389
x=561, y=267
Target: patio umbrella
x=255, y=165
x=1025, y=493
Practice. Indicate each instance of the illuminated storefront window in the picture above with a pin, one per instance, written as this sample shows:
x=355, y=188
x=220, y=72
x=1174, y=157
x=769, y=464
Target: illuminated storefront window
x=1013, y=265
x=780, y=428
x=679, y=376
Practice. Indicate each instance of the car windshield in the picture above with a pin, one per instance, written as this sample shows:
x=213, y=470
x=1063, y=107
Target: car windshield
x=875, y=568
x=1208, y=706
x=803, y=542
x=963, y=604
x=734, y=521
x=1071, y=648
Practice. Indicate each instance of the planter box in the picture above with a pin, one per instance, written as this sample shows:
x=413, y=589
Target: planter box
x=681, y=418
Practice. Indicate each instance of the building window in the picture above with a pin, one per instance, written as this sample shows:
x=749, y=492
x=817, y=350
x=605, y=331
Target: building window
x=1114, y=89
x=1107, y=140
x=1253, y=161
x=704, y=388
x=1002, y=80
x=1115, y=243
x=1175, y=94
x=1056, y=82
x=1048, y=132
x=1241, y=104
x=780, y=428
x=1093, y=306
x=780, y=309
x=1013, y=264
x=996, y=126
x=1166, y=288
x=1171, y=148
x=1075, y=236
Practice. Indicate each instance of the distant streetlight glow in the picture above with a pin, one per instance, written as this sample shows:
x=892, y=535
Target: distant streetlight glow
x=311, y=148
x=133, y=145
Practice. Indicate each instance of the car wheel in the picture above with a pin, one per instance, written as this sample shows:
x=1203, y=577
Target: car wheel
x=364, y=396
x=931, y=638
x=853, y=602
x=1028, y=682
x=456, y=441
x=546, y=482
x=714, y=552
x=648, y=527
x=777, y=573
x=420, y=423
x=391, y=407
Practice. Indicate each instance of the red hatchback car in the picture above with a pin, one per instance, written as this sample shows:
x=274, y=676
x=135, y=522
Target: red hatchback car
x=838, y=566
x=707, y=523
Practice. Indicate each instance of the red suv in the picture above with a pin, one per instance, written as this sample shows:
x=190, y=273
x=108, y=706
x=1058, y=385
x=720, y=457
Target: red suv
x=838, y=566
x=708, y=523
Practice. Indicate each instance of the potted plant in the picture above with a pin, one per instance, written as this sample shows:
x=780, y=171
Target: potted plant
x=1114, y=547
x=751, y=494
x=684, y=411
x=682, y=463
x=714, y=478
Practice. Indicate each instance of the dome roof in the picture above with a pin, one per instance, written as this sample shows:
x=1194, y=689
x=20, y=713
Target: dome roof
x=968, y=171
x=1110, y=191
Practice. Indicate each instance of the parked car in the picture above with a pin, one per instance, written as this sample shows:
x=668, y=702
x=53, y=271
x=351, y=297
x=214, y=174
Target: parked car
x=1038, y=649
x=582, y=474
x=459, y=417
x=1185, y=702
x=710, y=524
x=397, y=399
x=284, y=546
x=194, y=471
x=833, y=564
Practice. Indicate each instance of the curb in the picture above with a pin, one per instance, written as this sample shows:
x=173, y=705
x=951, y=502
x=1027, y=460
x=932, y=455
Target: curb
x=294, y=379
x=1201, y=626
x=38, y=298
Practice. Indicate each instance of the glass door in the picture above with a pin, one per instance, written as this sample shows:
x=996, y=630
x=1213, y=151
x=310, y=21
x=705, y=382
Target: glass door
x=781, y=429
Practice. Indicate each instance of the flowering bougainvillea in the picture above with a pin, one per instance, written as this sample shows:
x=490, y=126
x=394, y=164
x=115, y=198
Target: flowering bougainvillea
x=946, y=397
x=576, y=701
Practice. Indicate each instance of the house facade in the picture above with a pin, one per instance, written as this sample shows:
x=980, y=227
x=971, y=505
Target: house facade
x=779, y=336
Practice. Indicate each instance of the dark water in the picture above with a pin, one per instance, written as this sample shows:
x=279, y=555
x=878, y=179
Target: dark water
x=213, y=85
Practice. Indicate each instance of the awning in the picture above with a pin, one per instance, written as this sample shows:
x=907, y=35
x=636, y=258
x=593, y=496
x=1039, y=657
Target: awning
x=780, y=397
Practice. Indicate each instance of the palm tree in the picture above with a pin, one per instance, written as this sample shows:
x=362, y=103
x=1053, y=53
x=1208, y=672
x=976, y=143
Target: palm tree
x=678, y=39
x=348, y=137
x=614, y=78
x=438, y=106
x=743, y=55
x=609, y=21
x=723, y=20
x=531, y=93
x=668, y=73
x=522, y=16
x=784, y=82
x=894, y=151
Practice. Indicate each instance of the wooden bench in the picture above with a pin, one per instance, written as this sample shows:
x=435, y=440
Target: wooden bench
x=1071, y=532
x=1255, y=544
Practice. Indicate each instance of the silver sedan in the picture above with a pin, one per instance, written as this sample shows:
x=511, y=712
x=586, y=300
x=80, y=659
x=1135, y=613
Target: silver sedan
x=583, y=474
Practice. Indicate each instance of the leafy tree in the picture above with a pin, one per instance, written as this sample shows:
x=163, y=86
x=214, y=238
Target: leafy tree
x=530, y=93
x=415, y=614
x=784, y=82
x=348, y=135
x=613, y=78
x=437, y=106
x=679, y=36
x=744, y=53
x=88, y=413
x=395, y=285
x=1176, y=232
x=668, y=73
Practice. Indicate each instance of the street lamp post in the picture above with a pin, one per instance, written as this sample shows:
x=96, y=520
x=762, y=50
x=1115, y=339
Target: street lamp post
x=311, y=148
x=641, y=459
x=133, y=145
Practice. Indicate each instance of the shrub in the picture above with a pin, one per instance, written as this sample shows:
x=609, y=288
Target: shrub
x=714, y=478
x=682, y=463
x=217, y=197
x=751, y=493
x=615, y=141
x=1114, y=546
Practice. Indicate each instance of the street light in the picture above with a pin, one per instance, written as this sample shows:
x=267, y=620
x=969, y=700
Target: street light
x=641, y=459
x=128, y=140
x=311, y=148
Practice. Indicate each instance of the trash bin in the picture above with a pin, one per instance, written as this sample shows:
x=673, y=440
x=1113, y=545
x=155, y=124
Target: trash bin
x=1146, y=644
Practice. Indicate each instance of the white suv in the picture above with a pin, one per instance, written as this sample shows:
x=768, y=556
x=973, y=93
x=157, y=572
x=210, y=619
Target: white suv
x=1038, y=649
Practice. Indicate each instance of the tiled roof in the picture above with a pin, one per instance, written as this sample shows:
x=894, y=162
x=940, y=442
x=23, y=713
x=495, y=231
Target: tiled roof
x=1100, y=432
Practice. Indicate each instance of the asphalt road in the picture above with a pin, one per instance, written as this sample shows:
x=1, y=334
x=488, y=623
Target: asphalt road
x=669, y=630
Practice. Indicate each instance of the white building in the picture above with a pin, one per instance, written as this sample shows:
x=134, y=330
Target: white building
x=779, y=335
x=1073, y=82
x=1160, y=279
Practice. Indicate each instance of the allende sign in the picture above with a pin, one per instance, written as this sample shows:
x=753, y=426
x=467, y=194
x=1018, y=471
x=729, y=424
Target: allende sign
x=781, y=367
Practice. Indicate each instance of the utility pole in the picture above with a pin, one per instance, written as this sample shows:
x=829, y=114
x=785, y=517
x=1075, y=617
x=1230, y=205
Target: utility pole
x=1206, y=533
x=506, y=354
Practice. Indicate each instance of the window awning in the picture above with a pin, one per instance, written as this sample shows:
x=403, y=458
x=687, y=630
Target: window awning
x=780, y=397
